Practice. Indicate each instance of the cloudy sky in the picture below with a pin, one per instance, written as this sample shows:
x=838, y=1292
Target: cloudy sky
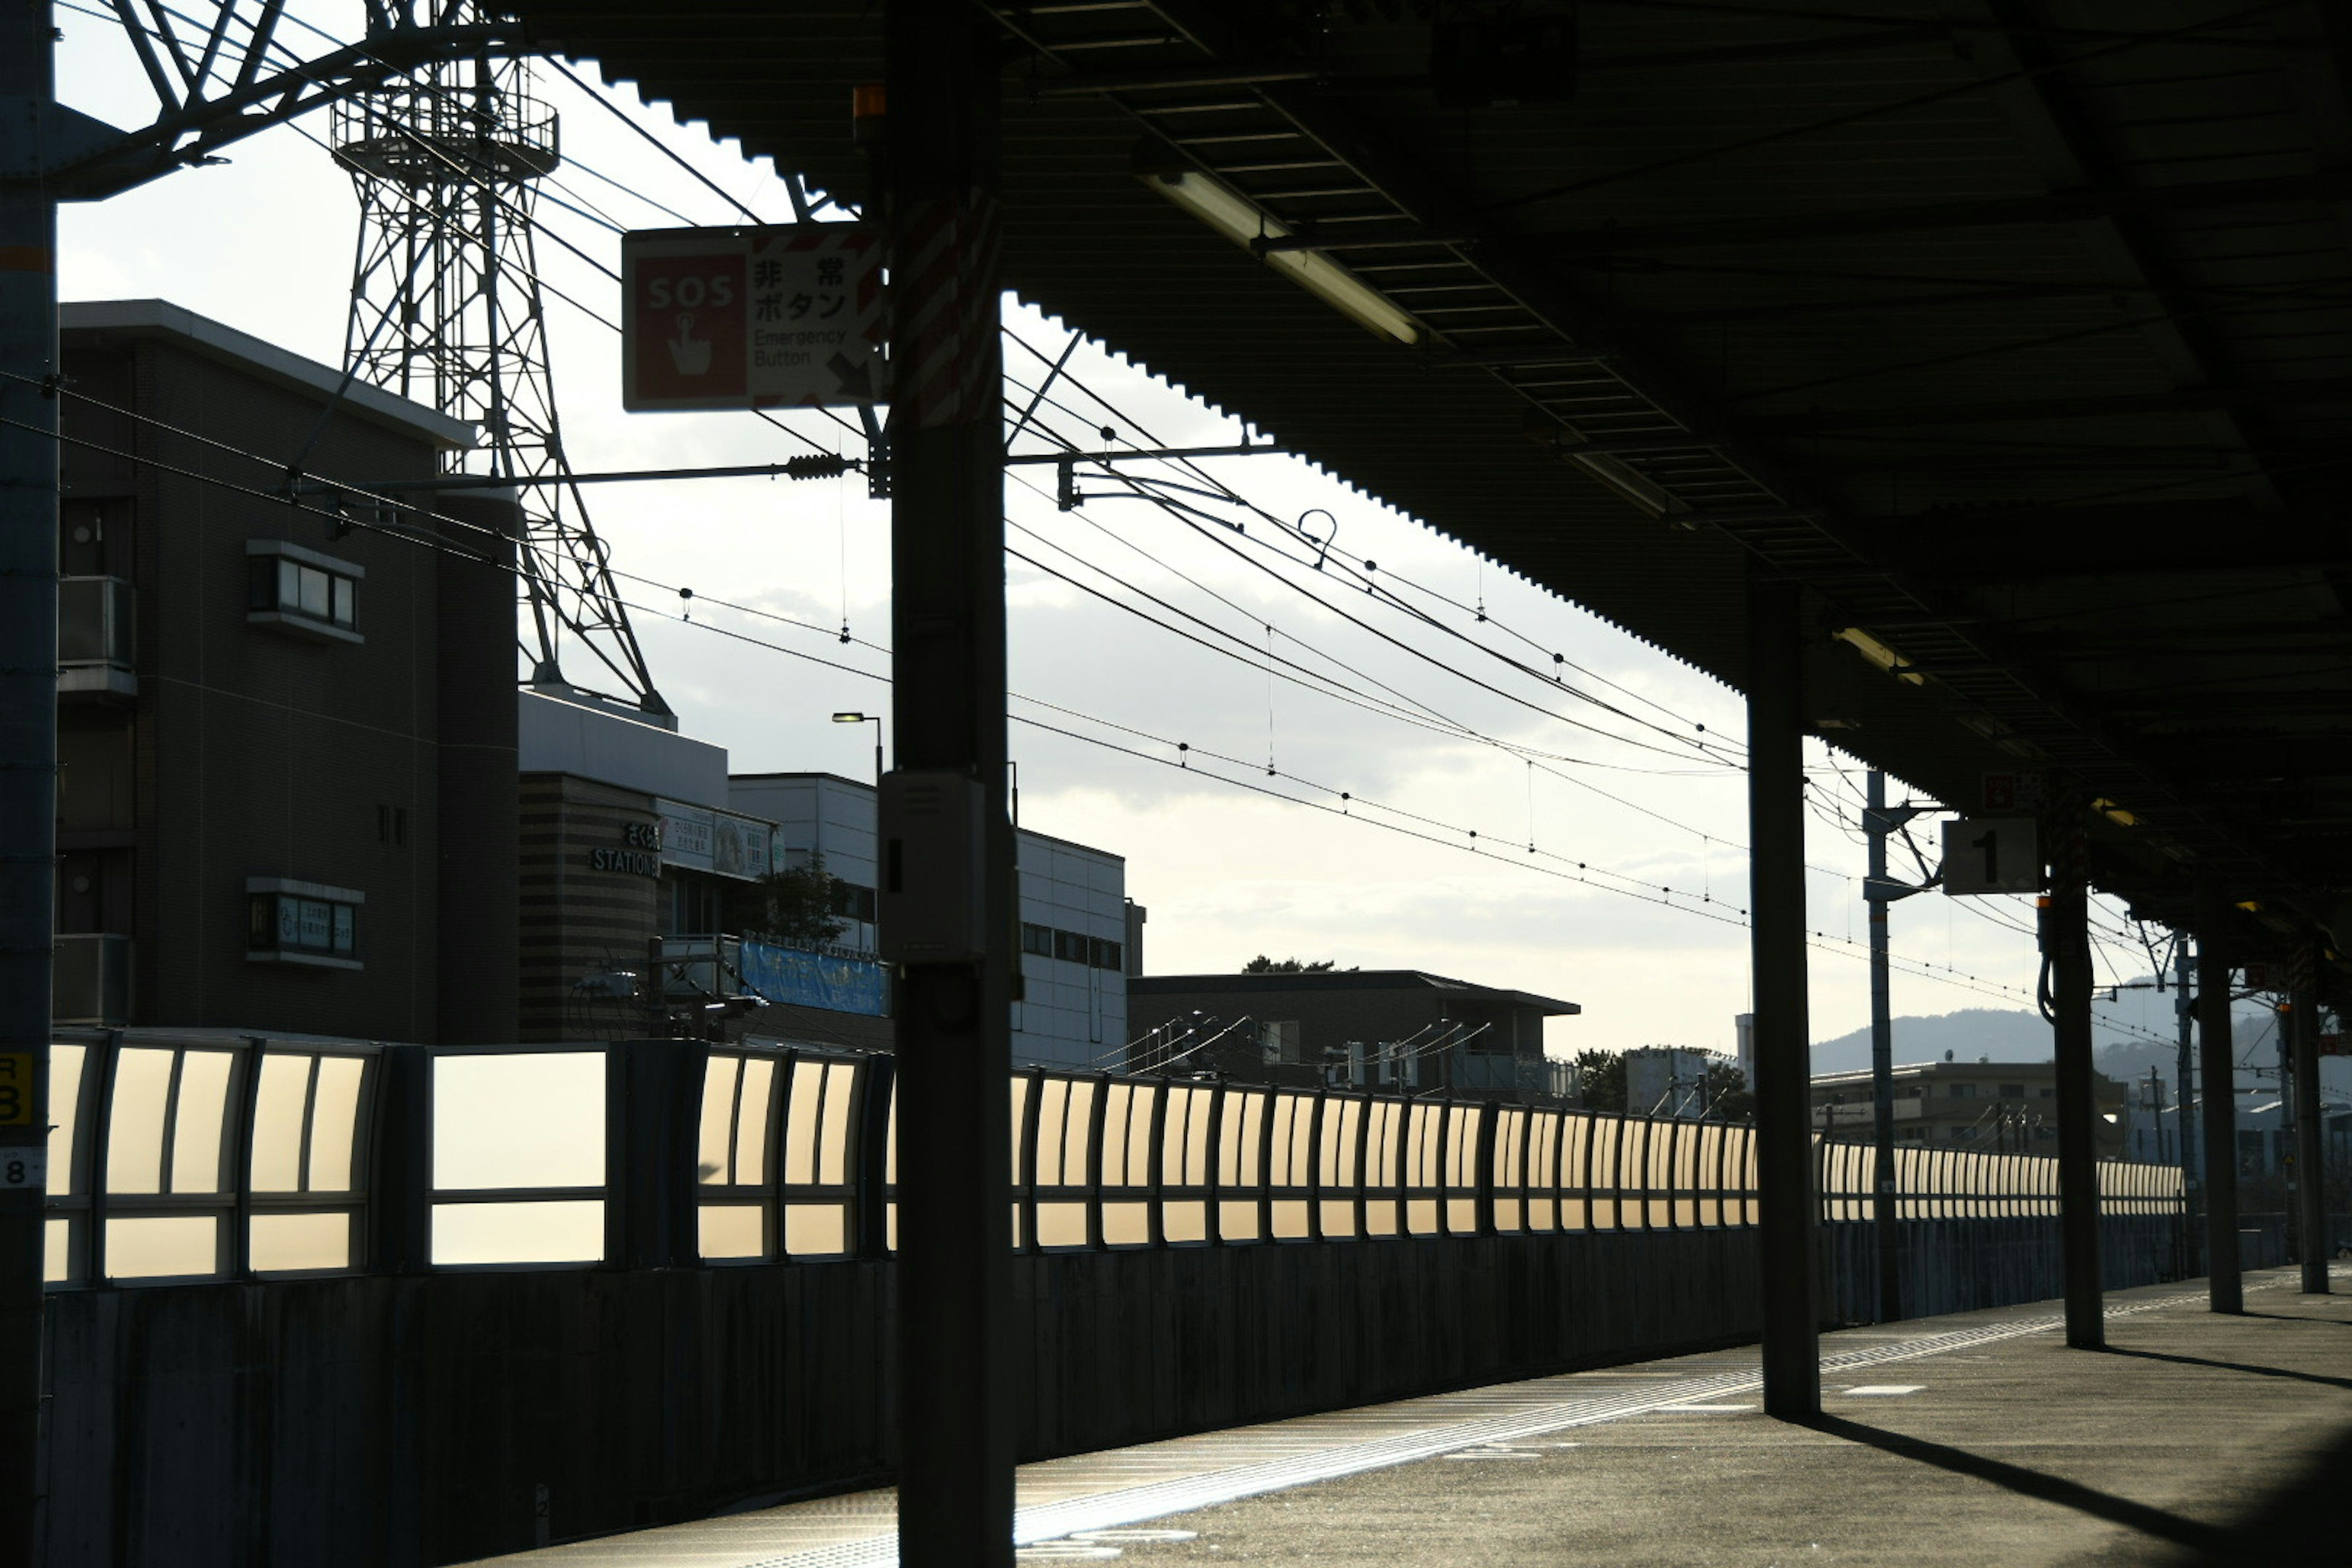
x=1641, y=797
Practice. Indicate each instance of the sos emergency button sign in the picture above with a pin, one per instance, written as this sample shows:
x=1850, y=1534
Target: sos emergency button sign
x=781, y=316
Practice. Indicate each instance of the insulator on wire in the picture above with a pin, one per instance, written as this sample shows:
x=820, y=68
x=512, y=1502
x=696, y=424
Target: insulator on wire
x=818, y=466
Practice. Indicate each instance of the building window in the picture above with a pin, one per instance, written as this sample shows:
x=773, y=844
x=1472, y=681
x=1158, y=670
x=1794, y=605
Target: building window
x=1964, y=1091
x=1038, y=939
x=1069, y=947
x=302, y=592
x=2045, y=1094
x=2013, y=1092
x=1278, y=1041
x=853, y=902
x=302, y=923
x=1103, y=954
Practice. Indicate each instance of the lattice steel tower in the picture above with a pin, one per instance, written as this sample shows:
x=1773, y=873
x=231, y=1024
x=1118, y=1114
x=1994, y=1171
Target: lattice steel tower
x=445, y=310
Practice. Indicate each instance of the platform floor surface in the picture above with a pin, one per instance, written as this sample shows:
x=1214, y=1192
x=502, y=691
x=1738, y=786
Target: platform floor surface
x=2194, y=1439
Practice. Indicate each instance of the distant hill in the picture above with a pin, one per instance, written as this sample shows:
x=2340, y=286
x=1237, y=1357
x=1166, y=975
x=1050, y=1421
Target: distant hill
x=2120, y=1032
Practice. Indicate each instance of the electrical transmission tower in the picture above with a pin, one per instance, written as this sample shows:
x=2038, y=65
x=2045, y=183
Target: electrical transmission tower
x=447, y=311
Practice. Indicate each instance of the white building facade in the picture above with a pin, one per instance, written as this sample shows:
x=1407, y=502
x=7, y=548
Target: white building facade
x=1079, y=934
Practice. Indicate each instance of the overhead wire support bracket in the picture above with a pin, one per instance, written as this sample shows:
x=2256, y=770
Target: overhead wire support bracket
x=1139, y=453
x=809, y=468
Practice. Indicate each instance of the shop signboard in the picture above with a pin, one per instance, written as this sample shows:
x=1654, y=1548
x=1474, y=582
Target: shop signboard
x=700, y=839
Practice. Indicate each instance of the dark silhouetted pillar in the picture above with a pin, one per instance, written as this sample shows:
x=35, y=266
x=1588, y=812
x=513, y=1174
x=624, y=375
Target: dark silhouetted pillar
x=2066, y=930
x=938, y=196
x=1784, y=1156
x=2219, y=1069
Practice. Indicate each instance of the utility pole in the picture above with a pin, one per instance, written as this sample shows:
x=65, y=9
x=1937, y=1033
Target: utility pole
x=1879, y=891
x=938, y=198
x=28, y=730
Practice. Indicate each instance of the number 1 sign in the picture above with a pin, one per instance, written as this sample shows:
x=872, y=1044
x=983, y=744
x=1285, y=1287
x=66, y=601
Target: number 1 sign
x=1992, y=855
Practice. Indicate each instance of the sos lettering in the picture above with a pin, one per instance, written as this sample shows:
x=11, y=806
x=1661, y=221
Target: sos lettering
x=689, y=293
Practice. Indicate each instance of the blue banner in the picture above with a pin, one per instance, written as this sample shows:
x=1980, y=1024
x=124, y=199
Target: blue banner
x=787, y=975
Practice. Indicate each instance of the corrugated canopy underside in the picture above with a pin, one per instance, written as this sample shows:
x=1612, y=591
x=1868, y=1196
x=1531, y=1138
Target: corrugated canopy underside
x=2017, y=332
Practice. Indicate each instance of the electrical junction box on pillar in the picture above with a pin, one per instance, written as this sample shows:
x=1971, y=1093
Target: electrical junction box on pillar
x=1992, y=855
x=777, y=316
x=932, y=905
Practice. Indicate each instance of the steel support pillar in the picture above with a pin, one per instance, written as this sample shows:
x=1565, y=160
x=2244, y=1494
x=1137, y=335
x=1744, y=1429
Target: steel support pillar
x=939, y=181
x=2217, y=1065
x=2184, y=1084
x=28, y=735
x=1884, y=1219
x=2068, y=934
x=1788, y=1211
x=2310, y=1176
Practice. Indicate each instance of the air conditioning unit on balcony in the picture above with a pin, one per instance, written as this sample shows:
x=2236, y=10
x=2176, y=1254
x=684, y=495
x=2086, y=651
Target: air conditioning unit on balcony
x=89, y=979
x=96, y=620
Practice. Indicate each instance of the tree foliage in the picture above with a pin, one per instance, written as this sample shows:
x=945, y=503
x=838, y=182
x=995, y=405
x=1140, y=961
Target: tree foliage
x=798, y=903
x=1262, y=964
x=1602, y=1074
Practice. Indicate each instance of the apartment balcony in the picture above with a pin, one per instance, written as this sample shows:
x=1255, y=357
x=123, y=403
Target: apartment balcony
x=97, y=647
x=89, y=979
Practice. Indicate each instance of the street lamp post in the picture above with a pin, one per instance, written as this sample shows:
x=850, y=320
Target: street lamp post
x=875, y=719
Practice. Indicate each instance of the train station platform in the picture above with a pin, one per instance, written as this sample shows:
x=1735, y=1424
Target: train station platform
x=2195, y=1439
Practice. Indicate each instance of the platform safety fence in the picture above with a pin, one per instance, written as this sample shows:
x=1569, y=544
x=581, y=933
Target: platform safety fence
x=180, y=1158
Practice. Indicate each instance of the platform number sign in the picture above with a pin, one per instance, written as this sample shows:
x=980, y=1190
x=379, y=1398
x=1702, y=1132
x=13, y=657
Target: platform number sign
x=21, y=1166
x=1992, y=855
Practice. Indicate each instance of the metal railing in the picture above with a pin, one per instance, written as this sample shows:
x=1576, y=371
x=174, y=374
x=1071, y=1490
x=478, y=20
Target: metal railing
x=179, y=1158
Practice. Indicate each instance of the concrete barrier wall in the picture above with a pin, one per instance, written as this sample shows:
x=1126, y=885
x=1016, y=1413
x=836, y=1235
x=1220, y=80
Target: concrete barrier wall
x=395, y=1421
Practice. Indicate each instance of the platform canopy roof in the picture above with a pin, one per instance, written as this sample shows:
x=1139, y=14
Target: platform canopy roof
x=2019, y=331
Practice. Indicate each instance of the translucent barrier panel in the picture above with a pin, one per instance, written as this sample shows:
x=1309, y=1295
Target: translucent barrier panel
x=1063, y=1108
x=1657, y=1171
x=832, y=1145
x=1184, y=1137
x=754, y=1097
x=1384, y=1158
x=1510, y=1168
x=1293, y=1146
x=731, y=1230
x=890, y=1143
x=67, y=1063
x=1343, y=1123
x=1709, y=1164
x=1602, y=1166
x=1289, y=1219
x=1061, y=1225
x=1127, y=1225
x=59, y=1236
x=1126, y=1134
x=281, y=1105
x=1423, y=1130
x=713, y=1156
x=1685, y=1173
x=158, y=1246
x=1462, y=1147
x=1575, y=1147
x=558, y=1230
x=134, y=1129
x=816, y=1230
x=1019, y=1103
x=1335, y=1217
x=1237, y=1142
x=1184, y=1221
x=335, y=1124
x=291, y=1243
x=1238, y=1222
x=1632, y=1180
x=1543, y=1171
x=531, y=1120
